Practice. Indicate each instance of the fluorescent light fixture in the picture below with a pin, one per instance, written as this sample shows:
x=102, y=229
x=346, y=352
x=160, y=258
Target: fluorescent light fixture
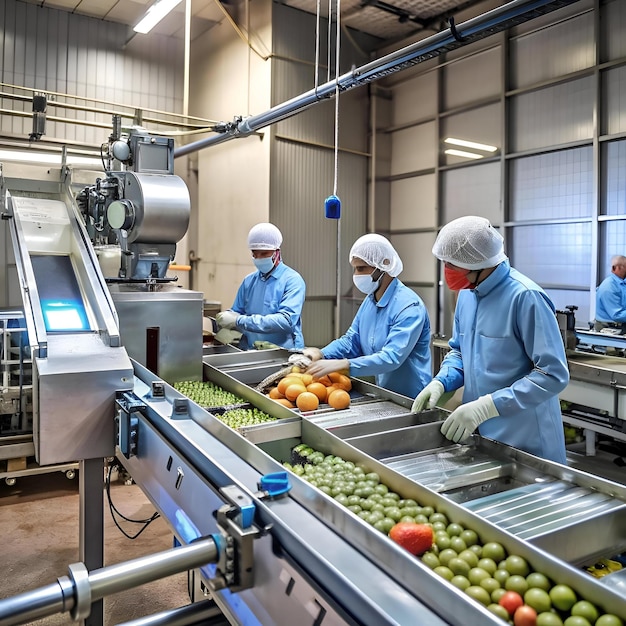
x=49, y=158
x=470, y=144
x=155, y=14
x=465, y=155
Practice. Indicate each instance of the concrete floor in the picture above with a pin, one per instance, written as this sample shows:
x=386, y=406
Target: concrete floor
x=40, y=534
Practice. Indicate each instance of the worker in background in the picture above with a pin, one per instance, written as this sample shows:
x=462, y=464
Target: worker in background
x=269, y=302
x=611, y=298
x=506, y=349
x=389, y=337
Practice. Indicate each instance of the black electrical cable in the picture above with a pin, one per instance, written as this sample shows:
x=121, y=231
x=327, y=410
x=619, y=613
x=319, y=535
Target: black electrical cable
x=146, y=522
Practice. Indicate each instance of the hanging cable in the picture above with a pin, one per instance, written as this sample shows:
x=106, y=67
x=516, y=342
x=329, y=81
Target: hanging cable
x=332, y=205
x=146, y=522
x=317, y=44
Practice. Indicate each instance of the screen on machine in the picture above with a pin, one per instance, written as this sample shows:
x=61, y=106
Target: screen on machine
x=61, y=302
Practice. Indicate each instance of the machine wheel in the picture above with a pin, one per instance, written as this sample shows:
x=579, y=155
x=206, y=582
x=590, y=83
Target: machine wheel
x=10, y=481
x=70, y=474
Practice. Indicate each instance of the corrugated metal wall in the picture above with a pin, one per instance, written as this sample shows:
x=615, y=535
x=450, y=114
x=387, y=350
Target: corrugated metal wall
x=302, y=172
x=57, y=51
x=548, y=96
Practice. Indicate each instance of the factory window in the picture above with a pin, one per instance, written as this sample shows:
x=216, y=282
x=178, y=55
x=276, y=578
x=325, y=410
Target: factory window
x=614, y=178
x=554, y=185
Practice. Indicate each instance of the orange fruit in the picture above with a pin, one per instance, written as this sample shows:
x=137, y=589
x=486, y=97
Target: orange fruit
x=285, y=382
x=416, y=538
x=339, y=399
x=284, y=402
x=319, y=390
x=338, y=378
x=307, y=379
x=275, y=394
x=324, y=380
x=344, y=382
x=294, y=390
x=307, y=401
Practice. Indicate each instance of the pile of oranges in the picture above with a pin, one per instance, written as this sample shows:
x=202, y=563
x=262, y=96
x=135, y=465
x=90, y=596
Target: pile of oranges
x=298, y=389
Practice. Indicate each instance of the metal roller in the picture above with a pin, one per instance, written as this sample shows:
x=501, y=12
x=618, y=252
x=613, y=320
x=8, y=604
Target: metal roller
x=156, y=208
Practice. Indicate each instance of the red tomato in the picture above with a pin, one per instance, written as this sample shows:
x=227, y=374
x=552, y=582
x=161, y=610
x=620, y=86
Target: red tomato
x=511, y=601
x=525, y=616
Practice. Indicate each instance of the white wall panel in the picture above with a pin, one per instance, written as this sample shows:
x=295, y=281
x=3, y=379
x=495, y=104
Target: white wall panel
x=473, y=78
x=414, y=202
x=552, y=116
x=414, y=149
x=553, y=185
x=415, y=99
x=614, y=178
x=471, y=190
x=482, y=125
x=415, y=250
x=57, y=51
x=612, y=27
x=551, y=52
x=613, y=100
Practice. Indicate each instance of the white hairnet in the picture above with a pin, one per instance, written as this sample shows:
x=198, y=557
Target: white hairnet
x=264, y=236
x=470, y=242
x=378, y=252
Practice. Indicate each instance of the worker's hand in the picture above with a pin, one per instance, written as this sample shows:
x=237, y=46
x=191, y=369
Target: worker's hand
x=299, y=360
x=226, y=336
x=428, y=397
x=315, y=354
x=227, y=319
x=323, y=367
x=462, y=422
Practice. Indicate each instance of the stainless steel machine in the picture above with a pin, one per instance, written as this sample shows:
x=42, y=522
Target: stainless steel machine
x=135, y=216
x=288, y=552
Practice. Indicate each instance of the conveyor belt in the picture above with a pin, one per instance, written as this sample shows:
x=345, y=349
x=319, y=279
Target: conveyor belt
x=534, y=510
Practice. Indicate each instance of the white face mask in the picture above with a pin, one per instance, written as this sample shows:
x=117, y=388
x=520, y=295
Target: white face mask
x=365, y=284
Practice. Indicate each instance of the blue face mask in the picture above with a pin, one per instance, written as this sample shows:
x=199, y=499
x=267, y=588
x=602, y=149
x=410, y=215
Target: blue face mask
x=264, y=265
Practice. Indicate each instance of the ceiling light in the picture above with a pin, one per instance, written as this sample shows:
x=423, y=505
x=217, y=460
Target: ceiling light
x=470, y=144
x=462, y=153
x=155, y=14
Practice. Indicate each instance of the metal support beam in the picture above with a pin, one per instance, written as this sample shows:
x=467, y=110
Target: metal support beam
x=477, y=28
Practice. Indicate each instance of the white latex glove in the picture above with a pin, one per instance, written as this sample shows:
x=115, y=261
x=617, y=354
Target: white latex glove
x=462, y=422
x=321, y=368
x=226, y=336
x=315, y=354
x=227, y=319
x=428, y=397
x=299, y=360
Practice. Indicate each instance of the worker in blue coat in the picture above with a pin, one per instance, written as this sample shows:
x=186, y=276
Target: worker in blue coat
x=268, y=304
x=611, y=297
x=389, y=337
x=506, y=349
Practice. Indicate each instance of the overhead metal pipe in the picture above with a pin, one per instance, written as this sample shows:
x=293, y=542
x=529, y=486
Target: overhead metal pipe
x=477, y=28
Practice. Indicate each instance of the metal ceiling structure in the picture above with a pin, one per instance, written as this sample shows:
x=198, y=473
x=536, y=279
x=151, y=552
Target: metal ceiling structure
x=486, y=24
x=389, y=20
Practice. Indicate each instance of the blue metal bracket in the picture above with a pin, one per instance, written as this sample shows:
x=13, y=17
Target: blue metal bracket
x=274, y=485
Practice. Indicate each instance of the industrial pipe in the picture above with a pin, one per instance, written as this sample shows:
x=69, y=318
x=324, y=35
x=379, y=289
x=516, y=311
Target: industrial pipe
x=76, y=595
x=477, y=28
x=196, y=613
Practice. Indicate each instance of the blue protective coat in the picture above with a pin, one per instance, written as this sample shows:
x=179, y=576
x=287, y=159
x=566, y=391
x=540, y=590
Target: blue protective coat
x=390, y=340
x=270, y=308
x=611, y=300
x=506, y=342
